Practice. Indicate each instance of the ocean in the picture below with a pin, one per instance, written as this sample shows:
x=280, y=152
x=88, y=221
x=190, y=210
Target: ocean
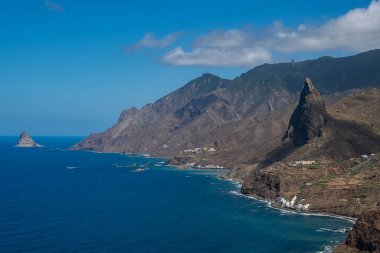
x=56, y=200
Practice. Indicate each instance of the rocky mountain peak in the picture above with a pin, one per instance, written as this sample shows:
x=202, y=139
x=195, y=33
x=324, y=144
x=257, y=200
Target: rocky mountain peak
x=309, y=118
x=309, y=92
x=309, y=85
x=127, y=113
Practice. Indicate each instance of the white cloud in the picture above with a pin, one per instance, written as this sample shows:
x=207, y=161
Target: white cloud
x=233, y=38
x=217, y=57
x=53, y=6
x=357, y=30
x=301, y=27
x=149, y=41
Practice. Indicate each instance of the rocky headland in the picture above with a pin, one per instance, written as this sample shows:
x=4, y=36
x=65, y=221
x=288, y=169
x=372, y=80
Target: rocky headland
x=316, y=150
x=26, y=141
x=365, y=235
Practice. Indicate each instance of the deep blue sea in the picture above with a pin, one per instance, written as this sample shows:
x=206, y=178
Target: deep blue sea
x=56, y=200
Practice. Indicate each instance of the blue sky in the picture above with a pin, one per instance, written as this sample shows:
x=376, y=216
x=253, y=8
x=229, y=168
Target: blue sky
x=70, y=67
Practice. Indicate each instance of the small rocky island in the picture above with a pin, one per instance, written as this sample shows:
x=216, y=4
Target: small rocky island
x=26, y=141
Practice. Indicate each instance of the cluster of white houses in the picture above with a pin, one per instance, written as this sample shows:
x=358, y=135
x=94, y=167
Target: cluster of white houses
x=298, y=163
x=197, y=166
x=199, y=150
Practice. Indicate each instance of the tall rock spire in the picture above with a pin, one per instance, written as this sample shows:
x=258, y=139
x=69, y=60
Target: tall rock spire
x=308, y=119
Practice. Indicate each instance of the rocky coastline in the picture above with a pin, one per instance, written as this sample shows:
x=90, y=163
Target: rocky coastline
x=365, y=235
x=314, y=151
x=272, y=202
x=343, y=189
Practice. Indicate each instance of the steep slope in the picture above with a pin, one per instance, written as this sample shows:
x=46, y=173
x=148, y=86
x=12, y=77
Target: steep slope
x=362, y=107
x=309, y=118
x=331, y=165
x=319, y=135
x=229, y=114
x=365, y=235
x=179, y=121
x=148, y=129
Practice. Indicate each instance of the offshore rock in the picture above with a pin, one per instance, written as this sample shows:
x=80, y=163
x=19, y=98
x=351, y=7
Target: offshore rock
x=26, y=141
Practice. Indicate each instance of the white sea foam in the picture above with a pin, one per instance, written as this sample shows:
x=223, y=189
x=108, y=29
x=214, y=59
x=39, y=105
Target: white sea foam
x=326, y=249
x=72, y=167
x=352, y=220
x=235, y=193
x=234, y=182
x=238, y=193
x=291, y=212
x=335, y=230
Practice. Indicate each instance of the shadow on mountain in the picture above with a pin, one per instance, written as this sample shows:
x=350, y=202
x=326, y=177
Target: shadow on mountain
x=341, y=140
x=347, y=139
x=277, y=154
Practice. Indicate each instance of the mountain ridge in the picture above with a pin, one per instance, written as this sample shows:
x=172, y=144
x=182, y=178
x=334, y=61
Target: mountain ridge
x=158, y=130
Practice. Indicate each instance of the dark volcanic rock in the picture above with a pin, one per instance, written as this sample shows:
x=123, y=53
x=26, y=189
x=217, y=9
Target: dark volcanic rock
x=365, y=235
x=262, y=184
x=26, y=141
x=178, y=160
x=309, y=117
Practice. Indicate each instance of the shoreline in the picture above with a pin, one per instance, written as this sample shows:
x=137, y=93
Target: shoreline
x=270, y=203
x=223, y=175
x=275, y=205
x=120, y=153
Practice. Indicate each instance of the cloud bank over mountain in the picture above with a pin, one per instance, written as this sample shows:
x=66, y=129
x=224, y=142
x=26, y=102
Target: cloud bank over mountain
x=357, y=30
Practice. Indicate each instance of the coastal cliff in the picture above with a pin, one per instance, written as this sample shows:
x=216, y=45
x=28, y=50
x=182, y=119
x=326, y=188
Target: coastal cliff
x=365, y=235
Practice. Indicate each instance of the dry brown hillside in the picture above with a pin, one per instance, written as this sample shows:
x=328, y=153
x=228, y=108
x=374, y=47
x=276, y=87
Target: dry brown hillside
x=362, y=107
